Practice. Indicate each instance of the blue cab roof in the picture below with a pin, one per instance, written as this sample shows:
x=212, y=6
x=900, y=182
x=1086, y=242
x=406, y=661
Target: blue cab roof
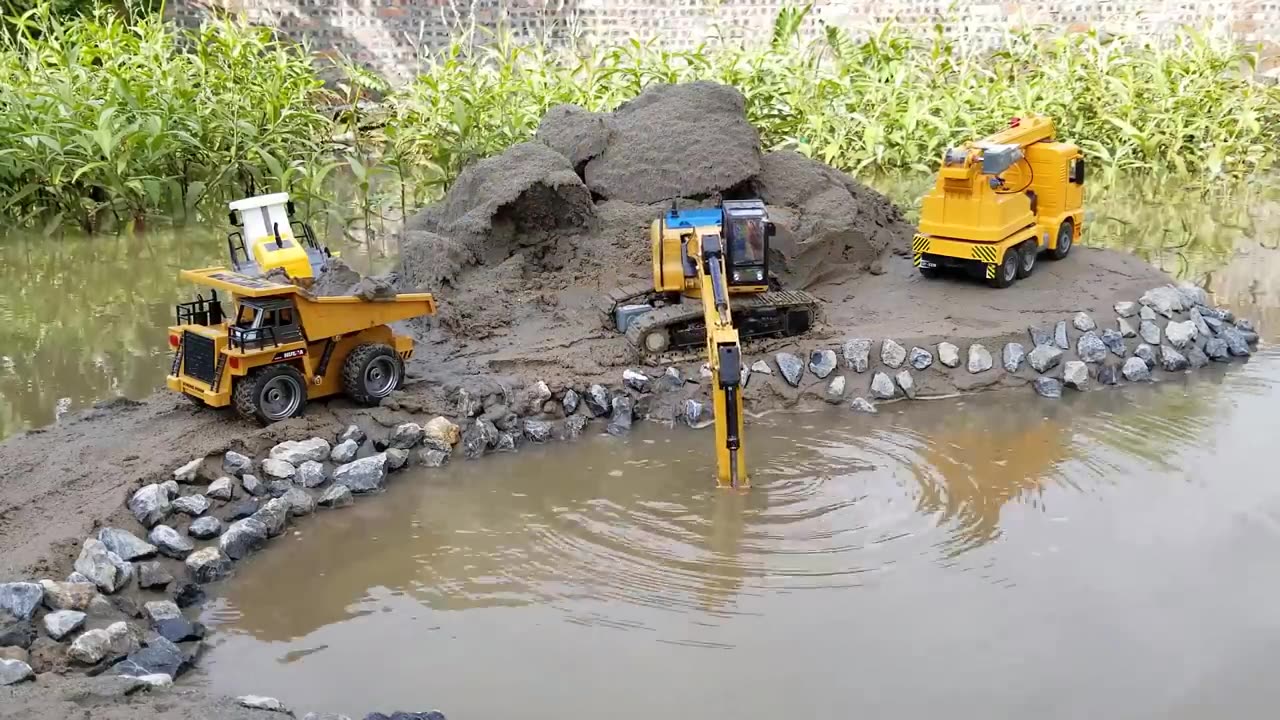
x=693, y=217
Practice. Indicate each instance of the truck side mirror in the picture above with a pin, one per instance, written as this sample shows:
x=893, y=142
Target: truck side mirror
x=288, y=207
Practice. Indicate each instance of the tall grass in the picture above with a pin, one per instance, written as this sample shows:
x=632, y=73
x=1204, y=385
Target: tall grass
x=103, y=119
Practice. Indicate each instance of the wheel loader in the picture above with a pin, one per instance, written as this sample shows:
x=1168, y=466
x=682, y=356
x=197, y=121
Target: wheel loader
x=280, y=346
x=999, y=202
x=666, y=314
x=267, y=239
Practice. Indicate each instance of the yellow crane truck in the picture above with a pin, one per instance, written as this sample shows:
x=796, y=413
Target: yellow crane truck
x=282, y=346
x=1000, y=201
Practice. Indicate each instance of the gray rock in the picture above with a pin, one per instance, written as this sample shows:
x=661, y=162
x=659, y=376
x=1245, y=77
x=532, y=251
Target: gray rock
x=539, y=394
x=744, y=376
x=405, y=436
x=277, y=488
x=537, y=430
x=906, y=383
x=598, y=401
x=13, y=672
x=1083, y=322
x=189, y=594
x=241, y=510
x=76, y=577
x=1221, y=314
x=170, y=489
x=1114, y=342
x=343, y=452
x=1109, y=374
x=620, y=419
x=1044, y=358
x=1165, y=300
x=1171, y=360
x=691, y=412
x=881, y=386
x=155, y=574
x=66, y=595
x=1040, y=336
x=1125, y=328
x=1148, y=355
x=396, y=458
x=1236, y=343
x=242, y=538
x=221, y=489
x=1075, y=374
x=170, y=542
x=150, y=505
x=570, y=402
x=300, y=501
x=259, y=702
x=311, y=474
x=919, y=358
x=1244, y=324
x=157, y=681
x=236, y=464
x=1196, y=357
x=103, y=567
x=1202, y=327
x=1012, y=357
x=892, y=354
x=704, y=371
x=822, y=363
x=116, y=640
x=1192, y=294
x=671, y=379
x=1090, y=348
x=157, y=610
x=253, y=485
x=192, y=505
x=1214, y=324
x=274, y=516
x=1126, y=309
x=948, y=354
x=352, y=433
x=1060, y=336
x=296, y=452
x=1217, y=350
x=791, y=367
x=160, y=657
x=835, y=390
x=188, y=473
x=61, y=623
x=1147, y=313
x=1135, y=370
x=1047, y=387
x=635, y=380
x=336, y=496
x=857, y=354
x=125, y=544
x=760, y=367
x=278, y=470
x=979, y=358
x=205, y=528
x=178, y=629
x=863, y=405
x=20, y=599
x=479, y=438
x=16, y=633
x=432, y=458
x=208, y=565
x=1180, y=334
x=363, y=475
x=469, y=404
x=573, y=427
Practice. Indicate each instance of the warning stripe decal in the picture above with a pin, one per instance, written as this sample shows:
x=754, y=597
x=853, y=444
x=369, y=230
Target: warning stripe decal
x=920, y=244
x=915, y=260
x=984, y=253
x=991, y=271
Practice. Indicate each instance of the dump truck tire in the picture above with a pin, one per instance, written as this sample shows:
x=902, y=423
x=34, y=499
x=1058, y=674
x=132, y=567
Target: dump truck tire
x=371, y=372
x=1006, y=270
x=270, y=394
x=1066, y=238
x=1027, y=254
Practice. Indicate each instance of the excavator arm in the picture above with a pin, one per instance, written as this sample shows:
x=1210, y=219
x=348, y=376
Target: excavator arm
x=724, y=356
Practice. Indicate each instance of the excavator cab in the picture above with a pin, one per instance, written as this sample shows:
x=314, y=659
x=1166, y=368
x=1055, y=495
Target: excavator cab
x=267, y=239
x=747, y=231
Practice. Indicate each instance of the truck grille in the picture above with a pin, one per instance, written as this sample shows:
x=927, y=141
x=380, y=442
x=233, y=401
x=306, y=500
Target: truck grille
x=198, y=359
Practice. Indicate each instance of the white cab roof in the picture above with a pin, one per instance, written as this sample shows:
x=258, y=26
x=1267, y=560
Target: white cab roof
x=259, y=201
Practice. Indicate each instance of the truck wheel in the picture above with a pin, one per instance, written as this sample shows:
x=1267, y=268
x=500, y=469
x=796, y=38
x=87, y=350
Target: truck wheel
x=1066, y=236
x=1007, y=270
x=930, y=273
x=372, y=372
x=270, y=394
x=1027, y=258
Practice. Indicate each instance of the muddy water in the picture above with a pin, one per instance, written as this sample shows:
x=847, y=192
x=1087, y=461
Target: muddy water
x=1110, y=555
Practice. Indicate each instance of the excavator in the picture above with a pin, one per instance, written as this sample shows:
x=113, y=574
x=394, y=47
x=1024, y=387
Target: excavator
x=1001, y=201
x=266, y=239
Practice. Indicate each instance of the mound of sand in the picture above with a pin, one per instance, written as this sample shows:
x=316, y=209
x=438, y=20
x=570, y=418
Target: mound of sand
x=579, y=135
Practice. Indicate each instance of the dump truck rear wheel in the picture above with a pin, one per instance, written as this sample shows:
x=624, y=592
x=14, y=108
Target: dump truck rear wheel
x=1007, y=270
x=1066, y=237
x=270, y=394
x=372, y=372
x=1027, y=258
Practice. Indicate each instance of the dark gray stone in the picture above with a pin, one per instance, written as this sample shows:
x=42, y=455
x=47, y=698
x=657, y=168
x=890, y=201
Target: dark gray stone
x=822, y=363
x=671, y=380
x=1090, y=348
x=363, y=475
x=1109, y=374
x=20, y=599
x=506, y=442
x=919, y=358
x=253, y=485
x=1237, y=344
x=154, y=574
x=1245, y=324
x=153, y=660
x=1012, y=357
x=300, y=501
x=188, y=594
x=1136, y=370
x=192, y=505
x=892, y=354
x=336, y=496
x=570, y=402
x=1060, y=336
x=537, y=430
x=274, y=515
x=433, y=458
x=205, y=528
x=791, y=367
x=1202, y=327
x=1114, y=342
x=573, y=426
x=178, y=629
x=598, y=401
x=243, y=538
x=1217, y=350
x=1196, y=357
x=103, y=567
x=620, y=419
x=1217, y=313
x=1148, y=355
x=857, y=354
x=1040, y=336
x=236, y=464
x=311, y=474
x=170, y=542
x=636, y=380
x=396, y=458
x=125, y=544
x=1171, y=360
x=277, y=488
x=242, y=509
x=1047, y=387
x=15, y=632
x=1214, y=324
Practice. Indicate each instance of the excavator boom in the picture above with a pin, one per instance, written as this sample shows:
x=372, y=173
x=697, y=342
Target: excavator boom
x=724, y=356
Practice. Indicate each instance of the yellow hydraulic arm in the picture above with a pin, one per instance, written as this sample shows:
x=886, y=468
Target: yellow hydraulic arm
x=724, y=355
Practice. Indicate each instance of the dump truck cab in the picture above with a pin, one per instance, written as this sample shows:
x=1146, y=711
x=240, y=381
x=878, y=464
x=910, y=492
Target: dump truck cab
x=277, y=346
x=266, y=238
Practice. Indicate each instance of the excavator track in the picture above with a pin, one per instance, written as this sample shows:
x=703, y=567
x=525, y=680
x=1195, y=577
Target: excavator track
x=621, y=296
x=781, y=313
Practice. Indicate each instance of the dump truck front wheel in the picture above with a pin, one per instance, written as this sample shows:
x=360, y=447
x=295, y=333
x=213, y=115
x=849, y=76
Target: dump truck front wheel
x=1066, y=236
x=270, y=394
x=372, y=372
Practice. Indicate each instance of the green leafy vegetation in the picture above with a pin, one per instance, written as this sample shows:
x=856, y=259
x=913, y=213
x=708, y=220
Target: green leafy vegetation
x=102, y=118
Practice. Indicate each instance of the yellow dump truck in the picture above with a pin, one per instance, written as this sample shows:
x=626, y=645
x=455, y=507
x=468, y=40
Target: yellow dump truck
x=282, y=346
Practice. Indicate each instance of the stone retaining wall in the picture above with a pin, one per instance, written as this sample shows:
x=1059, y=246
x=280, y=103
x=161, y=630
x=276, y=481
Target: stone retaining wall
x=391, y=36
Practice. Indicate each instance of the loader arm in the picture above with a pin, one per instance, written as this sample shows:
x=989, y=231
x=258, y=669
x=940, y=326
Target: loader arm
x=724, y=356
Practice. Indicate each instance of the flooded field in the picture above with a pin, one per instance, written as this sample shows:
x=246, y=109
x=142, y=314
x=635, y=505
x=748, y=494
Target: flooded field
x=1109, y=555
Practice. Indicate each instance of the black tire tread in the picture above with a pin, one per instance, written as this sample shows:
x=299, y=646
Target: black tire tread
x=244, y=396
x=1055, y=254
x=353, y=371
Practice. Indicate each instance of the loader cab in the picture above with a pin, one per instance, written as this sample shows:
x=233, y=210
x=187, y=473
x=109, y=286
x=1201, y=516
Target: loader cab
x=747, y=230
x=266, y=239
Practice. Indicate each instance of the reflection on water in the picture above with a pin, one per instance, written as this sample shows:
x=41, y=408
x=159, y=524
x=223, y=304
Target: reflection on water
x=887, y=564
